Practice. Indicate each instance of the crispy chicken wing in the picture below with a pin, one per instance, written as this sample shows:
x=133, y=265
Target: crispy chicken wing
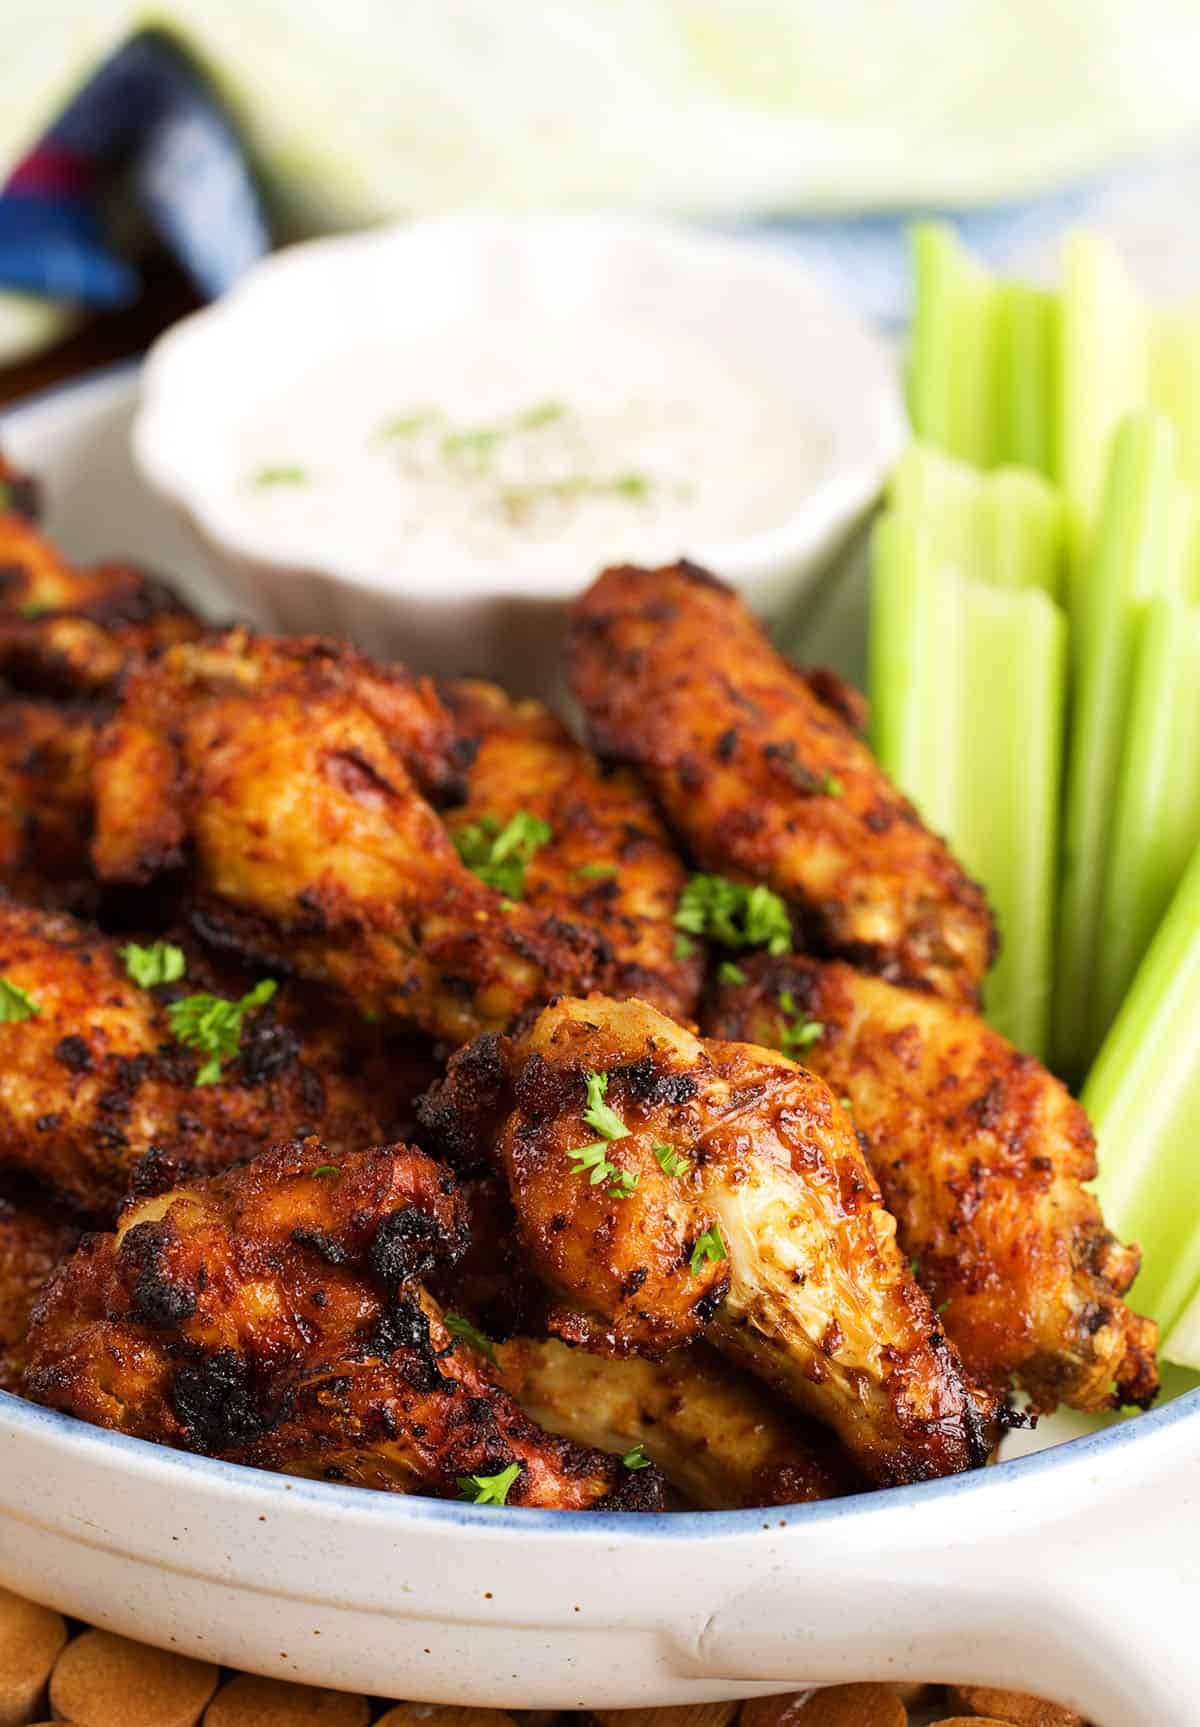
x=607, y=864
x=67, y=631
x=46, y=801
x=716, y=1189
x=715, y=1433
x=31, y=1245
x=291, y=775
x=981, y=1155
x=95, y=1078
x=758, y=771
x=274, y=1316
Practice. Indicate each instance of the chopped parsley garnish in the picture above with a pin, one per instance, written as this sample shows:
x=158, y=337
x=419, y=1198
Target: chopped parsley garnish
x=214, y=1026
x=594, y=1157
x=803, y=1033
x=458, y=1326
x=489, y=1489
x=326, y=1169
x=636, y=1458
x=407, y=425
x=710, y=1246
x=478, y=442
x=832, y=786
x=728, y=972
x=596, y=871
x=15, y=1003
x=285, y=476
x=669, y=1160
x=161, y=962
x=734, y=914
x=499, y=856
x=599, y=1114
x=684, y=947
x=632, y=485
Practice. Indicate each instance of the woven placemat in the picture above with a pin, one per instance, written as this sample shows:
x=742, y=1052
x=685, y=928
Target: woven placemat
x=55, y=1669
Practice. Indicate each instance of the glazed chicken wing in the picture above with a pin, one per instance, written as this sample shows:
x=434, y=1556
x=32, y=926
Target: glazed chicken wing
x=605, y=863
x=667, y=1188
x=761, y=775
x=94, y=1078
x=981, y=1155
x=291, y=776
x=46, y=801
x=274, y=1316
x=31, y=1245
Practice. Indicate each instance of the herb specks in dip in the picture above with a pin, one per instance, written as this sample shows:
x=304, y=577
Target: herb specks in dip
x=524, y=442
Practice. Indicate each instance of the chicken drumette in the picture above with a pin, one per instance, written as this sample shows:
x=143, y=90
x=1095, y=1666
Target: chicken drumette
x=666, y=1188
x=275, y=1316
x=981, y=1155
x=760, y=772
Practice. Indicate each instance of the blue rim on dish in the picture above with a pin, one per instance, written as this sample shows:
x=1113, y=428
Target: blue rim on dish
x=683, y=1525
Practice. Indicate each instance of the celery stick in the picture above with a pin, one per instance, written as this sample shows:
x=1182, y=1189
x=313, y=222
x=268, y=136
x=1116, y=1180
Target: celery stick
x=1103, y=365
x=1175, y=380
x=1023, y=532
x=1143, y=1095
x=1027, y=366
x=1005, y=824
x=1127, y=564
x=954, y=352
x=1156, y=824
x=915, y=662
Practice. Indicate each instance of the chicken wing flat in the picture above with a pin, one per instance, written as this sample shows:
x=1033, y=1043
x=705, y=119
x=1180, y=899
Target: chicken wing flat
x=93, y=1077
x=667, y=1188
x=31, y=1246
x=761, y=775
x=293, y=777
x=604, y=862
x=46, y=801
x=716, y=1434
x=274, y=1316
x=68, y=631
x=981, y=1155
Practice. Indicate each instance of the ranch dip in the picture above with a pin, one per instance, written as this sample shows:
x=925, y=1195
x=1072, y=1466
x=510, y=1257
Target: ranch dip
x=521, y=442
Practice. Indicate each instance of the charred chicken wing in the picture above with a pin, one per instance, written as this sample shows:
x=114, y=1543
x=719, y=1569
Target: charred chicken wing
x=46, y=801
x=31, y=1245
x=293, y=778
x=602, y=858
x=763, y=777
x=981, y=1155
x=667, y=1188
x=275, y=1316
x=96, y=1071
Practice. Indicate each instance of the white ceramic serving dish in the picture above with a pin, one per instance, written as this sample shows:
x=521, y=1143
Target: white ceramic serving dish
x=1074, y=1572
x=310, y=305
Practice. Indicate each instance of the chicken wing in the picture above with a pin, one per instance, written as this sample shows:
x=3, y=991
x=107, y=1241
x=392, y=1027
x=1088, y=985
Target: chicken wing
x=715, y=1433
x=294, y=777
x=606, y=862
x=667, y=1188
x=71, y=632
x=93, y=1077
x=274, y=1316
x=31, y=1245
x=760, y=774
x=981, y=1155
x=46, y=801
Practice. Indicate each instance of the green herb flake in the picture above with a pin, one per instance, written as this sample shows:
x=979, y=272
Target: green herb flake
x=541, y=414
x=599, y=1114
x=803, y=1033
x=636, y=1458
x=684, y=947
x=489, y=1489
x=832, y=786
x=161, y=962
x=593, y=1157
x=406, y=425
x=499, y=856
x=710, y=1246
x=213, y=1026
x=669, y=1160
x=458, y=1326
x=326, y=1169
x=728, y=972
x=282, y=476
x=624, y=1184
x=15, y=1003
x=596, y=871
x=734, y=914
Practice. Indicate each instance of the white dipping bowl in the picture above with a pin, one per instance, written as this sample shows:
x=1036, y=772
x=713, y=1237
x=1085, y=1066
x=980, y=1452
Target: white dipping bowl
x=305, y=308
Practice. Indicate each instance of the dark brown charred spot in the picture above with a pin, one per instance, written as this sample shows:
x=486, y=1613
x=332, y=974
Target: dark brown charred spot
x=73, y=1053
x=650, y=1084
x=407, y=1244
x=726, y=746
x=351, y=772
x=215, y=1403
x=267, y=1049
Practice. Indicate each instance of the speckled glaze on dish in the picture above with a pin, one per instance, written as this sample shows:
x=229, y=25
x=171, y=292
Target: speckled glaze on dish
x=1074, y=1571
